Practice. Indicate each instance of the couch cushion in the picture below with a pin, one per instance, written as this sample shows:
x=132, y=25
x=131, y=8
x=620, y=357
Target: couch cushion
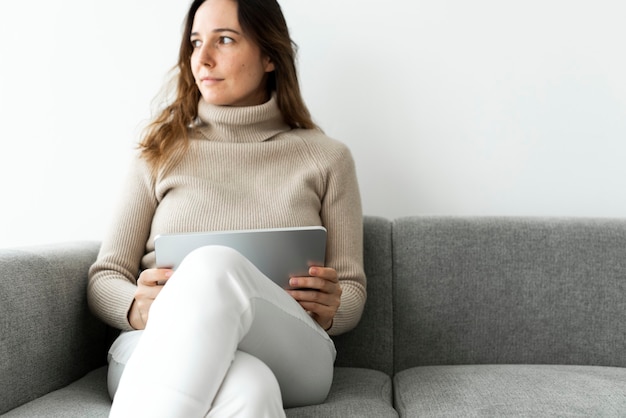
x=85, y=398
x=509, y=291
x=511, y=390
x=369, y=345
x=354, y=393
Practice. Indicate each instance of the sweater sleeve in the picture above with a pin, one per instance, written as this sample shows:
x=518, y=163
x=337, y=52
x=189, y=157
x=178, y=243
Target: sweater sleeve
x=113, y=276
x=342, y=216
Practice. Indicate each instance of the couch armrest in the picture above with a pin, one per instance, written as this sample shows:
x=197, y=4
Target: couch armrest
x=48, y=337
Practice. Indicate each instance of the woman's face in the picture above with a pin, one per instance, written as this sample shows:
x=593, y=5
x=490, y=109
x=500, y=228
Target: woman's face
x=228, y=67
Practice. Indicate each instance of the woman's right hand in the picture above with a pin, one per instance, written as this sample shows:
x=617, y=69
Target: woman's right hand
x=149, y=285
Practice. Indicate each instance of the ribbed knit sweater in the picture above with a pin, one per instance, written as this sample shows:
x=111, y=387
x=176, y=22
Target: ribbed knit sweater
x=244, y=169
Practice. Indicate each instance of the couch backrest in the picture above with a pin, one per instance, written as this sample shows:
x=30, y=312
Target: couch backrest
x=509, y=290
x=370, y=344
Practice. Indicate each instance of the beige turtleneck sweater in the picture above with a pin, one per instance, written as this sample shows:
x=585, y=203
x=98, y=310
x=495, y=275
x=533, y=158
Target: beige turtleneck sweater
x=244, y=169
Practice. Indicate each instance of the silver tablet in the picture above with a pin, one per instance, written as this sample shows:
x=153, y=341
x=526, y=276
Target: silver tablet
x=279, y=253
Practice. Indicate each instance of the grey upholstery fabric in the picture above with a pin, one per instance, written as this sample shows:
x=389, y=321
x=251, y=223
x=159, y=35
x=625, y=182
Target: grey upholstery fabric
x=355, y=393
x=370, y=343
x=48, y=337
x=475, y=316
x=85, y=398
x=507, y=290
x=511, y=390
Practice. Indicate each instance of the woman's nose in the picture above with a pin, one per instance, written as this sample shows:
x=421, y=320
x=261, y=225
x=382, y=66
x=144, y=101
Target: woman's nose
x=207, y=55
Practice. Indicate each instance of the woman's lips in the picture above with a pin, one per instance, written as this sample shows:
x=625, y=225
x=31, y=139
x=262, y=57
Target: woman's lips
x=210, y=80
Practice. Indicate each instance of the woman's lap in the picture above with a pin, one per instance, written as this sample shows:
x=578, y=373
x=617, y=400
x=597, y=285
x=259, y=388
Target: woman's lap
x=298, y=352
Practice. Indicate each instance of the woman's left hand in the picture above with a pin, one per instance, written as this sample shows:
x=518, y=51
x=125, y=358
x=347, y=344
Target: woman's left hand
x=319, y=294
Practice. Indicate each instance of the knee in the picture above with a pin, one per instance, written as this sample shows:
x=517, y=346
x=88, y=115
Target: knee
x=209, y=265
x=212, y=281
x=213, y=257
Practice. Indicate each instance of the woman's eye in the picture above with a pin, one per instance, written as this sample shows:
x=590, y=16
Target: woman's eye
x=226, y=40
x=196, y=43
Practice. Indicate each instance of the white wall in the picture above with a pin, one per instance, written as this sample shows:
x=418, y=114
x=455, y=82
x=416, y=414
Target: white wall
x=450, y=107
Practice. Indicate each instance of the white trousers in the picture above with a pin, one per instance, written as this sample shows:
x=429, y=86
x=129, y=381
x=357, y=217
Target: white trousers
x=221, y=340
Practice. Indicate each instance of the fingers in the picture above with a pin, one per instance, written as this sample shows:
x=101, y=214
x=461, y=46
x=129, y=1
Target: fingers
x=321, y=278
x=149, y=285
x=154, y=277
x=325, y=273
x=323, y=311
x=319, y=295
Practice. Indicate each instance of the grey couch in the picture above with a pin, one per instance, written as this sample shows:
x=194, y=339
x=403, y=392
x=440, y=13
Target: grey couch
x=465, y=317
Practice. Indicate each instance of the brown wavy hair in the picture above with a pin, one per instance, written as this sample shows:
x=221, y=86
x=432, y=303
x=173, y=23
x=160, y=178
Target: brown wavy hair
x=261, y=20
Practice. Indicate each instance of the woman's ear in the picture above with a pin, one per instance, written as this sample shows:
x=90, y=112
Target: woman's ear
x=269, y=65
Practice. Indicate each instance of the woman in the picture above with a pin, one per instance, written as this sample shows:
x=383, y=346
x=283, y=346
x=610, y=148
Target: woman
x=236, y=149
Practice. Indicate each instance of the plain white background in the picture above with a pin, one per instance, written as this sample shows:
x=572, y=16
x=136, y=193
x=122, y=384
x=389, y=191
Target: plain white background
x=450, y=107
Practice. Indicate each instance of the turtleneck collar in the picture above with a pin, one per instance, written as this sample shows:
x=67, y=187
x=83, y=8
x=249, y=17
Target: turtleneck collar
x=241, y=124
